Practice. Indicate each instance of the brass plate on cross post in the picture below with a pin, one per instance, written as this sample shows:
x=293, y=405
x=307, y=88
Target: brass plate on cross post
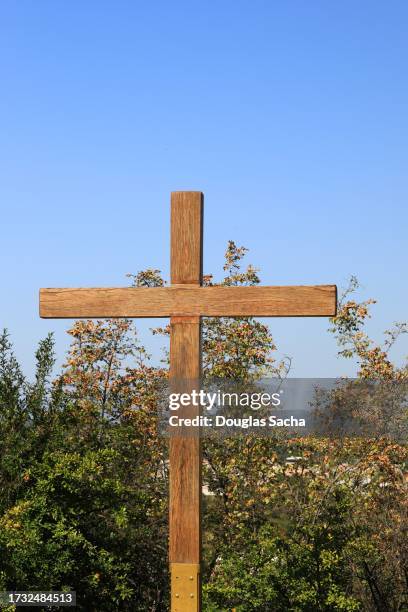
x=185, y=582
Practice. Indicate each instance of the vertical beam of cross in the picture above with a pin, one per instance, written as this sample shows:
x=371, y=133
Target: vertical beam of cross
x=185, y=371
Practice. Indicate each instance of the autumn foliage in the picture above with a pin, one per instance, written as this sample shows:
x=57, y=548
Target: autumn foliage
x=299, y=524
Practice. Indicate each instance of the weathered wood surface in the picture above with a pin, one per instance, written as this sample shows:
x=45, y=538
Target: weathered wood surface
x=186, y=237
x=290, y=301
x=185, y=450
x=185, y=369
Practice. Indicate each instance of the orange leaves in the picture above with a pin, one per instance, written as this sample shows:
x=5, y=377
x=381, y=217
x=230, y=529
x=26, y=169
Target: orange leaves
x=348, y=327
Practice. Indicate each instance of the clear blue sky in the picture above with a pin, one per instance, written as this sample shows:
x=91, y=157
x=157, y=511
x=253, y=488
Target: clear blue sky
x=290, y=116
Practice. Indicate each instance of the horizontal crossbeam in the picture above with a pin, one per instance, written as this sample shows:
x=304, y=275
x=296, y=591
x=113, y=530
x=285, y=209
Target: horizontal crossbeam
x=291, y=301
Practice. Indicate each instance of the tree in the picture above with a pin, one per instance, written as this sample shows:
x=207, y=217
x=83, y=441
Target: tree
x=324, y=532
x=296, y=524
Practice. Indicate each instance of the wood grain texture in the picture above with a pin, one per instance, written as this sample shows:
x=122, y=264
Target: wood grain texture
x=186, y=237
x=185, y=365
x=296, y=301
x=185, y=450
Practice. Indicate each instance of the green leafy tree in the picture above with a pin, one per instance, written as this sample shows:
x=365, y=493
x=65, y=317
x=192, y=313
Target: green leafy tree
x=290, y=524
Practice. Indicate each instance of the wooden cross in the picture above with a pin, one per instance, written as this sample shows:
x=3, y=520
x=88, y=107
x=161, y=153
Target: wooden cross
x=185, y=302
